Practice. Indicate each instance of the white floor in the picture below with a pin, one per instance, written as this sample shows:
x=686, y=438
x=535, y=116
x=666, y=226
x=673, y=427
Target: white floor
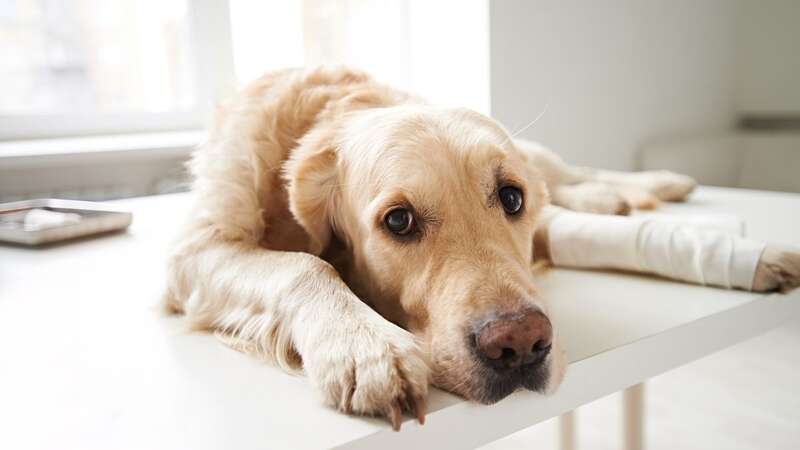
x=745, y=397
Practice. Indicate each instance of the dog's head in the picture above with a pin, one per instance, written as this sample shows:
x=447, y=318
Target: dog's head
x=429, y=216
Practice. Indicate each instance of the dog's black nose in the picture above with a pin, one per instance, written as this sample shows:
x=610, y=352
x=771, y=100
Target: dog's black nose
x=516, y=340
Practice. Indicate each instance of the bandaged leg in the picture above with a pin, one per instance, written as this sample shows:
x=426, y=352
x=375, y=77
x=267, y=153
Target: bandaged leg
x=673, y=250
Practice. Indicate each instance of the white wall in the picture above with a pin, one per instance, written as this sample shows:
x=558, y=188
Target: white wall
x=768, y=56
x=616, y=73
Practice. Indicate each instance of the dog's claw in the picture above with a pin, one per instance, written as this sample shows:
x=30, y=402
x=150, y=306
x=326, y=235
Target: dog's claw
x=395, y=415
x=347, y=406
x=418, y=408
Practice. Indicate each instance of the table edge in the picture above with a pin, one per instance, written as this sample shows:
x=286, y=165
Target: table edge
x=587, y=379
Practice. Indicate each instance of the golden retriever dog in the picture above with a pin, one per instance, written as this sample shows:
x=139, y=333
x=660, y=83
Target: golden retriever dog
x=378, y=244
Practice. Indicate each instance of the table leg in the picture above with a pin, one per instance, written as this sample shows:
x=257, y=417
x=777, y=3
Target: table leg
x=633, y=417
x=566, y=428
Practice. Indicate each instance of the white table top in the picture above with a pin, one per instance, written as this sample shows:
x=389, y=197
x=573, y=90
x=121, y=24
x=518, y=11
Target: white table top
x=87, y=361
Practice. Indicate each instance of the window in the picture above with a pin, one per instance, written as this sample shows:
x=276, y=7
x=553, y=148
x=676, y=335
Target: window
x=415, y=45
x=95, y=56
x=79, y=67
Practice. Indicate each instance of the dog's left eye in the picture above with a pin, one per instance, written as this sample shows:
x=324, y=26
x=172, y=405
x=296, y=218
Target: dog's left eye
x=399, y=221
x=511, y=198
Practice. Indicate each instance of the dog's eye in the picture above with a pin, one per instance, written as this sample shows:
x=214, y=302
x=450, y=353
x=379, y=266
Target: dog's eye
x=511, y=198
x=399, y=221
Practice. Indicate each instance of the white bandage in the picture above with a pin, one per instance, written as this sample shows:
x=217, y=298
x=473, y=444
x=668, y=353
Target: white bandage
x=670, y=249
x=718, y=221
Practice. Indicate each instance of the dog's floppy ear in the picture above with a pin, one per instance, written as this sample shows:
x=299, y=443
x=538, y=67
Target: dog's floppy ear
x=312, y=177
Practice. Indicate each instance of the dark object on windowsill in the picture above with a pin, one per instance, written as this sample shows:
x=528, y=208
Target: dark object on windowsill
x=44, y=221
x=770, y=122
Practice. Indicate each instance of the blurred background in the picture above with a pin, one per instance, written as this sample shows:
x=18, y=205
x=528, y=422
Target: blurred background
x=132, y=83
x=106, y=99
x=102, y=99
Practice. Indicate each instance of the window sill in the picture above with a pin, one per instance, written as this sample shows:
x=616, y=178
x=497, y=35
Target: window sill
x=96, y=149
x=96, y=167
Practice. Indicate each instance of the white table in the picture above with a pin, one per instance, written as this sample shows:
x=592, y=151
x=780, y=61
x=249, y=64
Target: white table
x=87, y=362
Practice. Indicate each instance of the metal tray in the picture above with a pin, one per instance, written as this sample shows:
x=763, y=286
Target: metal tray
x=46, y=220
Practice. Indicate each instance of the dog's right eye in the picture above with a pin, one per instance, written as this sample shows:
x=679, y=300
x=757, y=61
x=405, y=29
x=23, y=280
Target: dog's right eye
x=511, y=198
x=399, y=221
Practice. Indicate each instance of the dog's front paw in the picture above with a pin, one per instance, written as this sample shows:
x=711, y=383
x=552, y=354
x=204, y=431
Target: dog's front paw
x=375, y=370
x=591, y=197
x=777, y=270
x=667, y=186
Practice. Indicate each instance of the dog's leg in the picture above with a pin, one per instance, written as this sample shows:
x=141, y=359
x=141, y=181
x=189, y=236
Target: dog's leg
x=663, y=184
x=696, y=255
x=293, y=308
x=572, y=187
x=603, y=191
x=590, y=197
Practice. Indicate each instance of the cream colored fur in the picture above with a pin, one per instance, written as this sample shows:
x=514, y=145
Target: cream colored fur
x=285, y=256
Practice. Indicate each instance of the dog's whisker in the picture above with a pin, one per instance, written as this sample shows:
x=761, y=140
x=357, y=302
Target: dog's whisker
x=530, y=124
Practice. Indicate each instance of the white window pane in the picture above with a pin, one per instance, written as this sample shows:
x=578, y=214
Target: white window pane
x=60, y=56
x=399, y=42
x=267, y=35
x=451, y=64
